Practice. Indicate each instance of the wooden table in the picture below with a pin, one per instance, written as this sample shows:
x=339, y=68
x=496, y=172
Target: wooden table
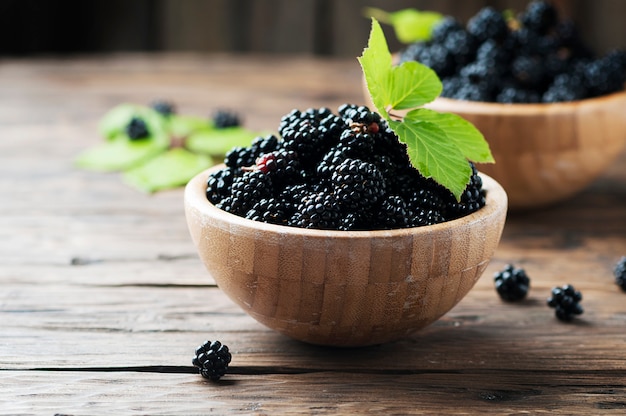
x=103, y=298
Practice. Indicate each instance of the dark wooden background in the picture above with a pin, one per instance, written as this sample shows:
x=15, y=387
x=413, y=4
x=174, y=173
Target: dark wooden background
x=315, y=27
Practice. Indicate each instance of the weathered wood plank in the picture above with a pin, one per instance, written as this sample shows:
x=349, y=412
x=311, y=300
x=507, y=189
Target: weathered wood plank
x=325, y=393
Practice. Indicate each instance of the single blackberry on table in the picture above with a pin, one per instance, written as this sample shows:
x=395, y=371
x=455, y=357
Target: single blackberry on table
x=357, y=184
x=137, y=129
x=318, y=210
x=247, y=190
x=212, y=360
x=225, y=118
x=540, y=16
x=512, y=283
x=566, y=302
x=488, y=24
x=165, y=108
x=620, y=273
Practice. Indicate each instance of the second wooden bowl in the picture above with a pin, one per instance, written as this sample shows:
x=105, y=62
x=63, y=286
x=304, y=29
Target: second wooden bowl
x=343, y=288
x=546, y=152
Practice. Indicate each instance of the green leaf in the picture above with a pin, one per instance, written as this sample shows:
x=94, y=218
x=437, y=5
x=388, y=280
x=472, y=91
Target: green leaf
x=168, y=170
x=467, y=138
x=217, y=142
x=433, y=154
x=377, y=66
x=410, y=25
x=182, y=126
x=114, y=122
x=120, y=153
x=412, y=85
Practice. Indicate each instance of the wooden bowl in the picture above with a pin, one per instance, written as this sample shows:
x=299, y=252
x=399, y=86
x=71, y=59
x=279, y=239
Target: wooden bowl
x=545, y=153
x=344, y=288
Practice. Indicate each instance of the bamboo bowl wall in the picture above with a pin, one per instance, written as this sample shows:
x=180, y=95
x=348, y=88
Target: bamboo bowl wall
x=344, y=288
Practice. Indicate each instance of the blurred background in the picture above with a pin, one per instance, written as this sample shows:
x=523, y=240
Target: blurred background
x=314, y=27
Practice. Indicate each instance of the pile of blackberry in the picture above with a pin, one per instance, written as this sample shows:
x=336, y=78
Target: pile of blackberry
x=345, y=171
x=535, y=57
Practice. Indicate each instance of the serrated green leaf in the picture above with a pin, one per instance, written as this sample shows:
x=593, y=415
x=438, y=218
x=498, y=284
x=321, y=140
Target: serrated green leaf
x=376, y=63
x=413, y=85
x=218, y=142
x=120, y=154
x=168, y=170
x=467, y=138
x=434, y=155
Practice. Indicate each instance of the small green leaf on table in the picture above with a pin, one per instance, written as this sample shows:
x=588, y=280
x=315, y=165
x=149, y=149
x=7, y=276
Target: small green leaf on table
x=168, y=170
x=217, y=142
x=120, y=154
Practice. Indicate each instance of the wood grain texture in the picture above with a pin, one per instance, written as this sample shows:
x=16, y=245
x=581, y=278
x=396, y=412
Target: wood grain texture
x=103, y=298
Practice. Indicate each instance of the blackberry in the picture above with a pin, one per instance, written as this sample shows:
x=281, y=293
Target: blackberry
x=446, y=26
x=528, y=71
x=247, y=190
x=244, y=157
x=355, y=221
x=333, y=158
x=394, y=213
x=361, y=118
x=565, y=87
x=472, y=199
x=435, y=56
x=283, y=166
x=474, y=92
x=451, y=86
x=357, y=184
x=512, y=283
x=219, y=185
x=212, y=360
x=513, y=94
x=225, y=118
x=566, y=302
x=488, y=24
x=605, y=75
x=357, y=143
x=540, y=16
x=270, y=210
x=422, y=217
x=164, y=108
x=137, y=129
x=462, y=46
x=318, y=210
x=239, y=157
x=309, y=133
x=620, y=273
x=261, y=145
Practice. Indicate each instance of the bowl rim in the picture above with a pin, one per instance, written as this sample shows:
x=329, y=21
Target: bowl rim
x=195, y=197
x=491, y=108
